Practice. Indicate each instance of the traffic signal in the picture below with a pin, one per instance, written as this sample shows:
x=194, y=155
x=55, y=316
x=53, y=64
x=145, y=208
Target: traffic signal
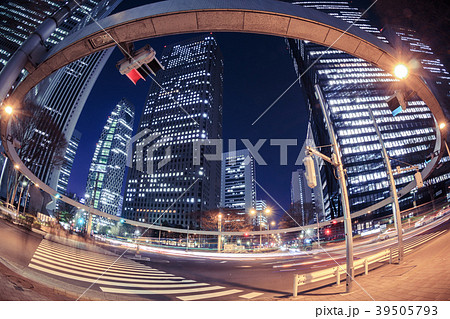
x=310, y=172
x=139, y=64
x=327, y=232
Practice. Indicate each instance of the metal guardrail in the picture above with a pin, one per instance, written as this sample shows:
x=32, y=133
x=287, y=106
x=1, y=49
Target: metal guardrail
x=336, y=272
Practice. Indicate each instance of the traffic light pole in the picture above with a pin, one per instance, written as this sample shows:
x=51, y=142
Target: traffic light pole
x=337, y=162
x=396, y=206
x=219, y=237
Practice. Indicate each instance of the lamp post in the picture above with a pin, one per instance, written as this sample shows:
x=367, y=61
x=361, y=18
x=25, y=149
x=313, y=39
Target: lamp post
x=253, y=212
x=396, y=206
x=26, y=198
x=24, y=184
x=16, y=184
x=219, y=237
x=272, y=223
x=89, y=220
x=336, y=161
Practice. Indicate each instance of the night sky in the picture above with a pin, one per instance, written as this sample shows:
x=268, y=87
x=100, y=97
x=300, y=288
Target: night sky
x=257, y=70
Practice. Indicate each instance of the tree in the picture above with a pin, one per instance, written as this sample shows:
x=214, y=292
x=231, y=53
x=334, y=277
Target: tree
x=65, y=212
x=231, y=220
x=293, y=218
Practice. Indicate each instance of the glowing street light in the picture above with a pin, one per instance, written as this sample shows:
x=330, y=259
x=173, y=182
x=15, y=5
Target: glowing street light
x=8, y=109
x=401, y=71
x=442, y=125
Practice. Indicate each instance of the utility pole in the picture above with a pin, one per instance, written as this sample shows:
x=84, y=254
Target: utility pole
x=318, y=229
x=336, y=161
x=396, y=206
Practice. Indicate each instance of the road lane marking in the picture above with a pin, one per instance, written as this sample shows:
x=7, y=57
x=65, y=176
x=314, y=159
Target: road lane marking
x=210, y=295
x=251, y=295
x=157, y=292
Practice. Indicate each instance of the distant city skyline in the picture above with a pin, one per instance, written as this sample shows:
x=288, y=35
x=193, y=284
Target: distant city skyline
x=271, y=73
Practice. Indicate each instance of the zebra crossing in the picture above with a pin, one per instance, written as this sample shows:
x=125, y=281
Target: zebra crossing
x=124, y=276
x=416, y=241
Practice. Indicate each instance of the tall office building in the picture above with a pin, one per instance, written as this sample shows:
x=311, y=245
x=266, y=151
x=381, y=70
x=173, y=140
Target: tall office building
x=302, y=197
x=20, y=18
x=63, y=94
x=260, y=215
x=66, y=168
x=188, y=109
x=347, y=86
x=238, y=189
x=106, y=174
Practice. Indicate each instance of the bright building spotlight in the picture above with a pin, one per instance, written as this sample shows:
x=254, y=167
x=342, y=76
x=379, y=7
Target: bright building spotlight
x=401, y=71
x=442, y=125
x=8, y=109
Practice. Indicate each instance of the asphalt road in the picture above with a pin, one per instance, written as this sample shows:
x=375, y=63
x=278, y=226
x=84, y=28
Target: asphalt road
x=157, y=276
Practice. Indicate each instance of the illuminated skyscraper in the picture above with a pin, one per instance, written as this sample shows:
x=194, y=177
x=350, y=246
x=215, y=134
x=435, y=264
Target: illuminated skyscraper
x=66, y=168
x=106, y=174
x=347, y=86
x=188, y=109
x=238, y=188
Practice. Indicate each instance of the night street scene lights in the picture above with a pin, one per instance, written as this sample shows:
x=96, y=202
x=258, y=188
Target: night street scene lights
x=401, y=71
x=267, y=211
x=8, y=109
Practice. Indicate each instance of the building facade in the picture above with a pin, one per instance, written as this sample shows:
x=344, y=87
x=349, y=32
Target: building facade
x=238, y=189
x=66, y=168
x=186, y=111
x=107, y=170
x=347, y=86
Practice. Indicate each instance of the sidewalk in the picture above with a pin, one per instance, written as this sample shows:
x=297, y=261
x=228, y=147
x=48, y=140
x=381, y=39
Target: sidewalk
x=423, y=275
x=16, y=287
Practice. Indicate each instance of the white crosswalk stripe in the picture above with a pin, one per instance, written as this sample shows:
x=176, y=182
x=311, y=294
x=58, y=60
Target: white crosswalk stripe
x=124, y=277
x=251, y=295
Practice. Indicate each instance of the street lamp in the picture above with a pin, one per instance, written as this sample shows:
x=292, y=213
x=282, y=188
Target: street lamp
x=395, y=206
x=8, y=109
x=219, y=237
x=401, y=71
x=253, y=212
x=24, y=184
